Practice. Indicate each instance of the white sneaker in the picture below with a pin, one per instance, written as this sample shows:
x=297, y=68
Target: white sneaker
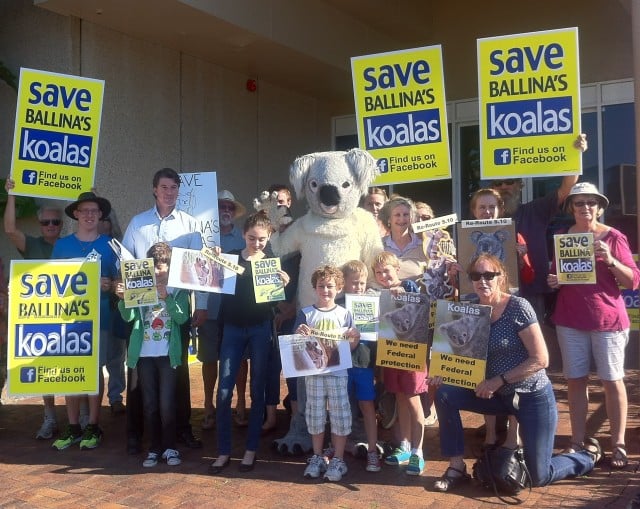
x=316, y=466
x=151, y=461
x=336, y=469
x=172, y=456
x=48, y=429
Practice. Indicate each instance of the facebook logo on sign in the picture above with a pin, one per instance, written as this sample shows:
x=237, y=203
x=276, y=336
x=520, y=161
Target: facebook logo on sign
x=501, y=156
x=29, y=177
x=383, y=165
x=28, y=375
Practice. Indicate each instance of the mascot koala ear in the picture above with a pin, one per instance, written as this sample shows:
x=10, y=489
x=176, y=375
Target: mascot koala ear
x=363, y=168
x=298, y=173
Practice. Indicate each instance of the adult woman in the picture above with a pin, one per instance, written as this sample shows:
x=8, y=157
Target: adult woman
x=374, y=200
x=592, y=319
x=246, y=323
x=516, y=384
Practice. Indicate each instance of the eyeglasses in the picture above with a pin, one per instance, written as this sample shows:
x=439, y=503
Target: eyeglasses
x=425, y=217
x=508, y=182
x=86, y=212
x=47, y=222
x=228, y=208
x=582, y=203
x=487, y=276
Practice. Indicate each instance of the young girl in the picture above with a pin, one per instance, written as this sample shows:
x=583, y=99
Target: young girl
x=246, y=323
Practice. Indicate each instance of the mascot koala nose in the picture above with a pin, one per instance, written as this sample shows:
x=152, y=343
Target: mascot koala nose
x=329, y=195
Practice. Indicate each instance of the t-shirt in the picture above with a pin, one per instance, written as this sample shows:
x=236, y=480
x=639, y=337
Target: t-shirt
x=157, y=330
x=71, y=247
x=36, y=248
x=506, y=350
x=330, y=320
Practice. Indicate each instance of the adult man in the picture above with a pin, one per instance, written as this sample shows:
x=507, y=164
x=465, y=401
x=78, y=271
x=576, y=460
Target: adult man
x=532, y=220
x=36, y=248
x=165, y=223
x=88, y=243
x=209, y=333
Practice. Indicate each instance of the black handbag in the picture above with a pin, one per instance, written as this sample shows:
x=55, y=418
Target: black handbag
x=504, y=471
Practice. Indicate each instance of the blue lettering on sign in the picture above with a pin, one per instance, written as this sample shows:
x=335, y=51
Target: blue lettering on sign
x=55, y=96
x=54, y=339
x=46, y=285
x=402, y=129
x=533, y=117
x=520, y=60
x=390, y=76
x=54, y=147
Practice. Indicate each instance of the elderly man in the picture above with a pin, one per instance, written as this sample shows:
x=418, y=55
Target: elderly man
x=36, y=248
x=209, y=333
x=164, y=222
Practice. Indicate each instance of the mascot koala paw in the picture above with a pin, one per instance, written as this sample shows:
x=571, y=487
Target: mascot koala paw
x=279, y=215
x=297, y=441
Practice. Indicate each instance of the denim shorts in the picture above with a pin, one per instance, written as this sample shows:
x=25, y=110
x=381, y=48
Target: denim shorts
x=606, y=347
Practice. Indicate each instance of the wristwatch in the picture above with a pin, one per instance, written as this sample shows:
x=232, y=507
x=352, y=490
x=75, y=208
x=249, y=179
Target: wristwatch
x=612, y=264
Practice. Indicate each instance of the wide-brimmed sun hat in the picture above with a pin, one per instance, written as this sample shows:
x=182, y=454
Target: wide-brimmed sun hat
x=225, y=195
x=103, y=204
x=586, y=188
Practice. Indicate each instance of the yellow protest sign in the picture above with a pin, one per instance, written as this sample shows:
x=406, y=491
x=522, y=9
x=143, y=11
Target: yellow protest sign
x=401, y=113
x=575, y=258
x=632, y=303
x=54, y=327
x=55, y=143
x=529, y=97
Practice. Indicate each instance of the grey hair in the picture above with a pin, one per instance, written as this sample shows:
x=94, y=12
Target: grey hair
x=45, y=208
x=385, y=212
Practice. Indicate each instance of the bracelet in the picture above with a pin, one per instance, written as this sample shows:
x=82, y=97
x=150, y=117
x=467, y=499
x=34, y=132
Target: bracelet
x=504, y=379
x=612, y=264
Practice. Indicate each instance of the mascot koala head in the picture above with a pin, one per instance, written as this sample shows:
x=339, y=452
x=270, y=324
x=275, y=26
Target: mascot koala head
x=333, y=182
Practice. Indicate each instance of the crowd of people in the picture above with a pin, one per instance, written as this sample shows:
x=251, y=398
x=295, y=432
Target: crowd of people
x=236, y=335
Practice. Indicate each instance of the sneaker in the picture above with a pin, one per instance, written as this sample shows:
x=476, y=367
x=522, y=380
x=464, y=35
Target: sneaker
x=72, y=435
x=416, y=465
x=48, y=429
x=151, y=460
x=91, y=437
x=172, y=456
x=316, y=466
x=329, y=453
x=373, y=462
x=336, y=469
x=398, y=457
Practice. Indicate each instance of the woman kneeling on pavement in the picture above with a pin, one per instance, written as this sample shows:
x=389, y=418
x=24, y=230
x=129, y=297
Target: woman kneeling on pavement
x=516, y=384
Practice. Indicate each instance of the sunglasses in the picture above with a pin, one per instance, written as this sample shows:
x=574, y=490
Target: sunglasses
x=487, y=276
x=47, y=222
x=508, y=182
x=582, y=203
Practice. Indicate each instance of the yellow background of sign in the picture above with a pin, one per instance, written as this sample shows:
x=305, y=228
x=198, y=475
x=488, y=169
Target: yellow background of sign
x=568, y=39
x=84, y=176
x=440, y=361
x=413, y=353
x=88, y=365
x=139, y=296
x=437, y=152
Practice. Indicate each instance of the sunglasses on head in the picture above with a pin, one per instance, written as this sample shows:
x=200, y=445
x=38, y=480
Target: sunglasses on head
x=508, y=182
x=47, y=222
x=582, y=203
x=487, y=276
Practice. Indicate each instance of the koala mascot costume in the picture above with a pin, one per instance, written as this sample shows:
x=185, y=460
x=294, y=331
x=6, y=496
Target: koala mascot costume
x=333, y=231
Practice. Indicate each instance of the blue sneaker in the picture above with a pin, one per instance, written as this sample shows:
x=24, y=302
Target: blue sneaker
x=398, y=457
x=416, y=465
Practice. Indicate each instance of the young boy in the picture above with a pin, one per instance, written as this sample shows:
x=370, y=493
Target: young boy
x=155, y=348
x=327, y=390
x=406, y=385
x=361, y=375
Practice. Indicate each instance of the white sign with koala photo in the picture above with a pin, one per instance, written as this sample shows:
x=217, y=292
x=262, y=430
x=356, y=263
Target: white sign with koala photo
x=495, y=237
x=311, y=355
x=460, y=340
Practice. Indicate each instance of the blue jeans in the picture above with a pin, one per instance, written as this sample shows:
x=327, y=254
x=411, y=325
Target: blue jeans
x=272, y=392
x=234, y=343
x=537, y=415
x=116, y=349
x=158, y=383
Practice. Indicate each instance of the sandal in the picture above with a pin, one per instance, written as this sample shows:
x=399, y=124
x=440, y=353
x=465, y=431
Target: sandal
x=209, y=421
x=574, y=447
x=451, y=478
x=619, y=457
x=592, y=447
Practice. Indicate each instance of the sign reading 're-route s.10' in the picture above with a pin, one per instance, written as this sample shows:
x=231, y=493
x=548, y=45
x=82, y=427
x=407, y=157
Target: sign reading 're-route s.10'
x=55, y=142
x=529, y=96
x=54, y=322
x=401, y=113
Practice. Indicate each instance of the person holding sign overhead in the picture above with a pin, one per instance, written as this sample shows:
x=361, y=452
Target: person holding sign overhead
x=515, y=383
x=34, y=248
x=591, y=320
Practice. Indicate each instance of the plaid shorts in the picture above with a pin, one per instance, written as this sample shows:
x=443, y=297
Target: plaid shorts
x=331, y=391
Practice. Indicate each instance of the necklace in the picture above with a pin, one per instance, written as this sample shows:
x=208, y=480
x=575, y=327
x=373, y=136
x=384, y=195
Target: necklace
x=85, y=245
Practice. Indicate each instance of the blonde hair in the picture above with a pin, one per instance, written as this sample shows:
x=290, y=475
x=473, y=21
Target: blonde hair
x=385, y=258
x=355, y=267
